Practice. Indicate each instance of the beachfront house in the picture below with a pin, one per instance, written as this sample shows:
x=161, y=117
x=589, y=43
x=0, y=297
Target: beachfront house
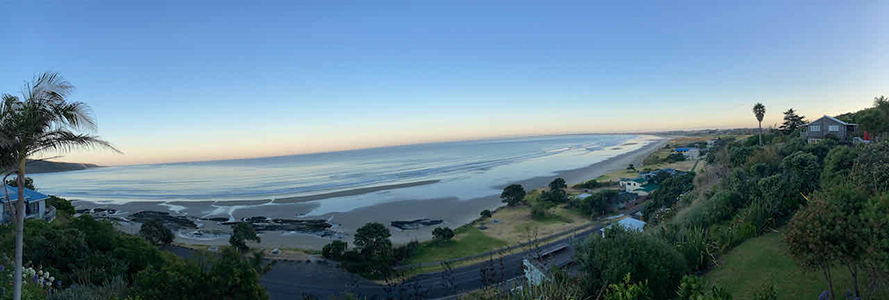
x=827, y=126
x=631, y=184
x=35, y=205
x=639, y=185
x=627, y=223
x=689, y=153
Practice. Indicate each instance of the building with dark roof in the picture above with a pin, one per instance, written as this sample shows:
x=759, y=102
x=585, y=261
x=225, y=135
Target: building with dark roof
x=827, y=126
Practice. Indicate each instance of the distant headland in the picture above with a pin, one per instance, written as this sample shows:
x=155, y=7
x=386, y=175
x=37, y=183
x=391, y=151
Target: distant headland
x=42, y=166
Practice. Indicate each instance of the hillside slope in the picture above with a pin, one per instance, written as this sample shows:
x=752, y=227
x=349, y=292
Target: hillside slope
x=766, y=259
x=35, y=166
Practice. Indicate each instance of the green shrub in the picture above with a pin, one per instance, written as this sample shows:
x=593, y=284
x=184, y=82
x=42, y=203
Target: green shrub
x=443, y=233
x=627, y=290
x=643, y=256
x=538, y=211
x=757, y=217
x=405, y=251
x=62, y=205
x=690, y=288
x=737, y=156
x=334, y=250
x=226, y=276
x=837, y=166
x=156, y=233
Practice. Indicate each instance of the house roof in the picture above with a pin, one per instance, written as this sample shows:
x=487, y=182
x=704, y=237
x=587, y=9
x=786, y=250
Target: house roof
x=637, y=179
x=649, y=187
x=681, y=149
x=30, y=195
x=629, y=223
x=831, y=118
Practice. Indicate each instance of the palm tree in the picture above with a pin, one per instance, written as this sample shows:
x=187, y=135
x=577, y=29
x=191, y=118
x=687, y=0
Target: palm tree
x=760, y=111
x=42, y=120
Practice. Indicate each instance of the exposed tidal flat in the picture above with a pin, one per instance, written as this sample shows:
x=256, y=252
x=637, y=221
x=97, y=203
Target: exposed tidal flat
x=307, y=200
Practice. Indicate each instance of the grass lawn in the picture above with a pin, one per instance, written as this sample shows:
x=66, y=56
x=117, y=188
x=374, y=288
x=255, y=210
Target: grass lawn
x=616, y=175
x=765, y=259
x=468, y=241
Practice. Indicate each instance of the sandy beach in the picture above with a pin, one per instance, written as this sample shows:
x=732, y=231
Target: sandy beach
x=453, y=212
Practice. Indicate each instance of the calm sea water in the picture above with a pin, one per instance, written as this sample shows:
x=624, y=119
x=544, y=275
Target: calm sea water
x=465, y=169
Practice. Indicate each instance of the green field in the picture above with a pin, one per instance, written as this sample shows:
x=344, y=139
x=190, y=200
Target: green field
x=469, y=241
x=765, y=259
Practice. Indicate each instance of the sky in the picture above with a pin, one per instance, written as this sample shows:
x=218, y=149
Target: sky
x=171, y=82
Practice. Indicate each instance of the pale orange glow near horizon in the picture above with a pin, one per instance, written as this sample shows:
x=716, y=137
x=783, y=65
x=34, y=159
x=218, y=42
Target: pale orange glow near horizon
x=239, y=144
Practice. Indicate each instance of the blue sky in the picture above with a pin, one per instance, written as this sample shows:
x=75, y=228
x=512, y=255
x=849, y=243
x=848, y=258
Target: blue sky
x=181, y=82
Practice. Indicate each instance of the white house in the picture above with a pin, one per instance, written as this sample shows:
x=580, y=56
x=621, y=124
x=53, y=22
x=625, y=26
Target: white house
x=35, y=205
x=629, y=185
x=639, y=186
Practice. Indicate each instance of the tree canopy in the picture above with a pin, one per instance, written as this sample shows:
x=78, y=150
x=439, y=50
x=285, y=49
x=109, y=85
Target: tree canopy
x=241, y=233
x=443, y=233
x=512, y=194
x=792, y=122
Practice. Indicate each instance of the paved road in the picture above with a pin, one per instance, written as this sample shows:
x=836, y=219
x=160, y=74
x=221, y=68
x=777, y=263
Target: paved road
x=294, y=280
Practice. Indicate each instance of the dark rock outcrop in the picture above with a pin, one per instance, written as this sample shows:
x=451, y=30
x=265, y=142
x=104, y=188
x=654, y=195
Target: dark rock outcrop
x=172, y=222
x=262, y=224
x=415, y=224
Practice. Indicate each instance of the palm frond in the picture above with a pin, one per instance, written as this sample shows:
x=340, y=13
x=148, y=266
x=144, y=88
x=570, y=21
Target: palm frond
x=48, y=87
x=76, y=115
x=64, y=141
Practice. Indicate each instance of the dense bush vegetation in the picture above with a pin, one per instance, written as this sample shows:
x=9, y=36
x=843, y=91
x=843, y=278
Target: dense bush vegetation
x=667, y=194
x=643, y=256
x=599, y=203
x=156, y=233
x=105, y=263
x=226, y=276
x=374, y=255
x=593, y=184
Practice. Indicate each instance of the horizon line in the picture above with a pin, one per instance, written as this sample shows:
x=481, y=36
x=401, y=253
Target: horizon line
x=412, y=144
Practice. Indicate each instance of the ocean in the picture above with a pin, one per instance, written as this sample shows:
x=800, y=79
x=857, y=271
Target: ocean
x=466, y=169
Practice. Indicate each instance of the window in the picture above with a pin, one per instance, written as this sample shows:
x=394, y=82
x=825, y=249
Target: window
x=32, y=208
x=833, y=128
x=815, y=128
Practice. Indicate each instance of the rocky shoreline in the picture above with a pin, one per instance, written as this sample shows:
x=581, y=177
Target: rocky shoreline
x=415, y=224
x=177, y=223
